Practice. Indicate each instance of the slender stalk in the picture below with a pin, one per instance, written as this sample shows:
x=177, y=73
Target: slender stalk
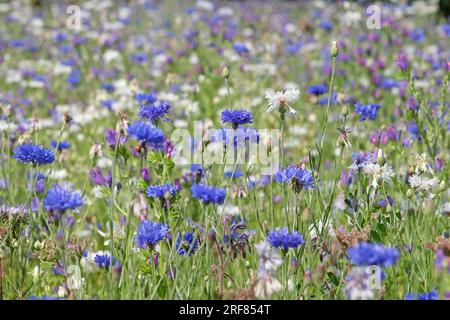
x=325, y=123
x=1, y=277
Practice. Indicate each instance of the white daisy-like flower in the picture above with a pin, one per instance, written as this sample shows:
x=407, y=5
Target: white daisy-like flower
x=379, y=173
x=269, y=260
x=422, y=164
x=266, y=285
x=423, y=184
x=282, y=99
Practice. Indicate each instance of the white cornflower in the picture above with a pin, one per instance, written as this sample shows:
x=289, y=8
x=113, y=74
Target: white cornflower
x=281, y=99
x=359, y=284
x=266, y=285
x=379, y=173
x=423, y=184
x=269, y=260
x=422, y=164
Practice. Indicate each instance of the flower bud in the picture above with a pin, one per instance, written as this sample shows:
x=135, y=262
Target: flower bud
x=344, y=111
x=96, y=150
x=225, y=72
x=442, y=186
x=380, y=157
x=334, y=51
x=409, y=193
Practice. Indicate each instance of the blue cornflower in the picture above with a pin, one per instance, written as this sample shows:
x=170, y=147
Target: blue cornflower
x=414, y=132
x=108, y=86
x=160, y=191
x=240, y=48
x=142, y=131
x=150, y=233
x=238, y=136
x=139, y=58
x=187, y=244
x=282, y=238
x=236, y=174
x=432, y=295
x=317, y=89
x=236, y=117
x=74, y=77
x=58, y=198
x=418, y=35
x=368, y=111
x=33, y=154
x=154, y=112
x=369, y=254
x=61, y=146
x=145, y=98
x=300, y=176
x=360, y=159
x=208, y=194
x=103, y=260
x=326, y=25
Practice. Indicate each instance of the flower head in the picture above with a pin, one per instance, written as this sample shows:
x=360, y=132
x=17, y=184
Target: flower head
x=359, y=284
x=432, y=295
x=103, y=260
x=301, y=177
x=236, y=117
x=369, y=254
x=187, y=244
x=150, y=233
x=143, y=132
x=61, y=199
x=282, y=99
x=317, y=90
x=155, y=112
x=33, y=154
x=208, y=194
x=161, y=191
x=283, y=239
x=402, y=62
x=368, y=111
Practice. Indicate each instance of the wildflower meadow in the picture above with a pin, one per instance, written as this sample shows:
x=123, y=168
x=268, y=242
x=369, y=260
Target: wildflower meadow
x=224, y=150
